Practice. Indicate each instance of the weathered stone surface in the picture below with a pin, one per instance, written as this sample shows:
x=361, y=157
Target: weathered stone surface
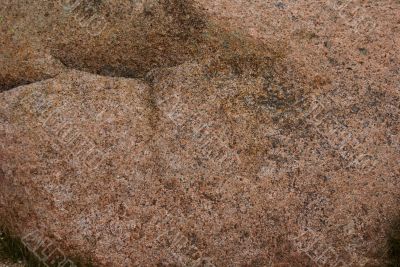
x=115, y=38
x=221, y=162
x=22, y=59
x=258, y=134
x=83, y=136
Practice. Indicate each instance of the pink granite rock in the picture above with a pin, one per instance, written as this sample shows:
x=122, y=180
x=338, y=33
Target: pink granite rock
x=117, y=38
x=247, y=134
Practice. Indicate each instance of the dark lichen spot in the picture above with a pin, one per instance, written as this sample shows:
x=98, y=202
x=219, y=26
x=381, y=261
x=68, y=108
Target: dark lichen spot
x=277, y=97
x=363, y=51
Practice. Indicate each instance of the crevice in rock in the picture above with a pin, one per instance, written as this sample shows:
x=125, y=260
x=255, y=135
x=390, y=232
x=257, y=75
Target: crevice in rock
x=13, y=85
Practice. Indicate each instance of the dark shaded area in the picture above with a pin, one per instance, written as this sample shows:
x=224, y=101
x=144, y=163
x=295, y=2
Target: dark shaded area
x=394, y=245
x=6, y=85
x=12, y=249
x=164, y=34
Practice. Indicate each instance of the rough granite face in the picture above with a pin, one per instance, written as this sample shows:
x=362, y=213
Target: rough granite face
x=201, y=133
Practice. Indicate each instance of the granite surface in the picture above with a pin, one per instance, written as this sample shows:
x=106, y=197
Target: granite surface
x=201, y=133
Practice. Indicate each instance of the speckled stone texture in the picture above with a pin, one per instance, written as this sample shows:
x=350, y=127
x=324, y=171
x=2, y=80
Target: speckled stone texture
x=202, y=133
